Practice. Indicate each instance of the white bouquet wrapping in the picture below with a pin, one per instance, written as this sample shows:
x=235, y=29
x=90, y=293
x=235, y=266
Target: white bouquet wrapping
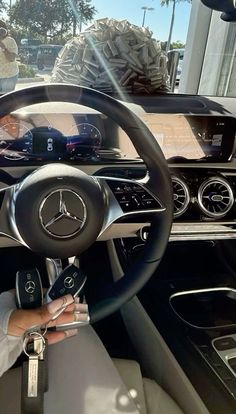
x=113, y=56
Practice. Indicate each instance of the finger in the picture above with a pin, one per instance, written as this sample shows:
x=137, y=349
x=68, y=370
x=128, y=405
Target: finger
x=77, y=307
x=67, y=317
x=54, y=337
x=63, y=318
x=55, y=307
x=22, y=320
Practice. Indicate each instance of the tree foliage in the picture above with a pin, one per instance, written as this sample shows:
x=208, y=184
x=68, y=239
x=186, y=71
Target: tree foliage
x=51, y=18
x=177, y=45
x=3, y=6
x=174, y=45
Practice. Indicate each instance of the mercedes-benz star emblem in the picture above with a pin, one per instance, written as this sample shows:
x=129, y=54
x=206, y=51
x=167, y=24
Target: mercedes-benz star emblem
x=69, y=282
x=62, y=213
x=30, y=287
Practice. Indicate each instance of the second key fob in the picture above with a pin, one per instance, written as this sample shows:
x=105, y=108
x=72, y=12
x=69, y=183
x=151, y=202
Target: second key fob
x=29, y=291
x=70, y=281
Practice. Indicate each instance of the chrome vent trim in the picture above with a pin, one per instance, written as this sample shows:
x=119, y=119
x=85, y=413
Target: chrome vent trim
x=181, y=196
x=215, y=197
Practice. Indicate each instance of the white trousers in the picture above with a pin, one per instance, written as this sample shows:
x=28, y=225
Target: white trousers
x=82, y=380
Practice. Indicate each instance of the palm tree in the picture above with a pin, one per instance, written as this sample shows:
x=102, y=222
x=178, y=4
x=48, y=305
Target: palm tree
x=83, y=12
x=167, y=3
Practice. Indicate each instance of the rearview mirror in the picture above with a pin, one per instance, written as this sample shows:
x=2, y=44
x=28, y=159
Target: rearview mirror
x=228, y=7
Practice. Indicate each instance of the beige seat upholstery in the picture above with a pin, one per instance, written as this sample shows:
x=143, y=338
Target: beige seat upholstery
x=148, y=396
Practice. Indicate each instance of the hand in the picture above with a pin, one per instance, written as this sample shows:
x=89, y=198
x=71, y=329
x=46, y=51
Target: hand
x=2, y=46
x=21, y=320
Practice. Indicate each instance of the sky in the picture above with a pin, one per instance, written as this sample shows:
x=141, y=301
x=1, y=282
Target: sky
x=157, y=20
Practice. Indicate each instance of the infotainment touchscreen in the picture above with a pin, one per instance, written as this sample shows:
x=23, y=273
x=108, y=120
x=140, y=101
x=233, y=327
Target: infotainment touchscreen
x=193, y=137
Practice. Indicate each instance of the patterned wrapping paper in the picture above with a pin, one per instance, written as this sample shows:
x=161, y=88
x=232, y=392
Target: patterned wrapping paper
x=113, y=56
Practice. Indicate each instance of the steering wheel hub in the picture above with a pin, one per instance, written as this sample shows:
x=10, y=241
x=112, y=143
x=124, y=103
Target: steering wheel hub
x=63, y=213
x=53, y=210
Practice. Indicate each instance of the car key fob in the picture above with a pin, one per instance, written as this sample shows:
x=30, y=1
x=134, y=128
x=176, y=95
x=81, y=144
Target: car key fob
x=29, y=291
x=70, y=281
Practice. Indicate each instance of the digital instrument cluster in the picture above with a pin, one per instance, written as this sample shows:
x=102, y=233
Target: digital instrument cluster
x=20, y=141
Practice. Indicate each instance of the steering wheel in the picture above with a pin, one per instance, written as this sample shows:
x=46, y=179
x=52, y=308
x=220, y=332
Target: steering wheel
x=58, y=211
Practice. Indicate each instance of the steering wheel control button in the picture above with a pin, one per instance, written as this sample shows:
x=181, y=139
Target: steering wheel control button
x=70, y=281
x=223, y=344
x=132, y=197
x=29, y=292
x=62, y=213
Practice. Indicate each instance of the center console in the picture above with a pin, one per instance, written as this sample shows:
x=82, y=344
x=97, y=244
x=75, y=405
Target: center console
x=191, y=299
x=211, y=314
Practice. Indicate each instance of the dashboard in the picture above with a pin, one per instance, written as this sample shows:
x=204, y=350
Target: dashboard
x=39, y=138
x=197, y=137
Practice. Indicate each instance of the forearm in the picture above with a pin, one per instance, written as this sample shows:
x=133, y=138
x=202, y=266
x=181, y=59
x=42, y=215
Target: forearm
x=10, y=346
x=9, y=55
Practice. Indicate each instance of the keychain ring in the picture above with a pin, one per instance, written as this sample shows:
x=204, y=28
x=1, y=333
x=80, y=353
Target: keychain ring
x=45, y=331
x=33, y=335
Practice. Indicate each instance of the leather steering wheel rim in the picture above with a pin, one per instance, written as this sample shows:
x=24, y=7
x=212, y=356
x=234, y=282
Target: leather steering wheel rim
x=159, y=182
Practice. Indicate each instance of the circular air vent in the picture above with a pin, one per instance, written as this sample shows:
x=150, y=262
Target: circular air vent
x=215, y=197
x=181, y=196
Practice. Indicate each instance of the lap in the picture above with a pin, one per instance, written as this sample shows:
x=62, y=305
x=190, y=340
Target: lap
x=82, y=379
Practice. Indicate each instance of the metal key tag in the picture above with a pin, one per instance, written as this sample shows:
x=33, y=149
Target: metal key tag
x=33, y=363
x=33, y=372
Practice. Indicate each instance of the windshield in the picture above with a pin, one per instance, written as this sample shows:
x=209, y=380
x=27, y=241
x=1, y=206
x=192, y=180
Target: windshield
x=122, y=48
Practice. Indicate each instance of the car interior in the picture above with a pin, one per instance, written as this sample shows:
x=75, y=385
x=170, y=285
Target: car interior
x=158, y=235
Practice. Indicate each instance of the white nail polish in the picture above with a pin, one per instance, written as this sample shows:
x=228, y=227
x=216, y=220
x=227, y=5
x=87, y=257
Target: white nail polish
x=71, y=332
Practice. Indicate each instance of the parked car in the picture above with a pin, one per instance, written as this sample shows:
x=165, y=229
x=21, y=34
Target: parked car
x=28, y=54
x=47, y=55
x=180, y=65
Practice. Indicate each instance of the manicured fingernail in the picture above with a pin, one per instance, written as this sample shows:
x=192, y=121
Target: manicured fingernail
x=59, y=304
x=81, y=317
x=71, y=332
x=81, y=307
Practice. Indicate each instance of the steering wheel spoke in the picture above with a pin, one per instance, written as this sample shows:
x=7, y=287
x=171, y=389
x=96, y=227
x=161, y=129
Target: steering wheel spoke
x=127, y=198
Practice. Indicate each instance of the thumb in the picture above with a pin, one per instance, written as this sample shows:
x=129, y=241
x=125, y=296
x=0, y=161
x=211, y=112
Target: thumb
x=22, y=320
